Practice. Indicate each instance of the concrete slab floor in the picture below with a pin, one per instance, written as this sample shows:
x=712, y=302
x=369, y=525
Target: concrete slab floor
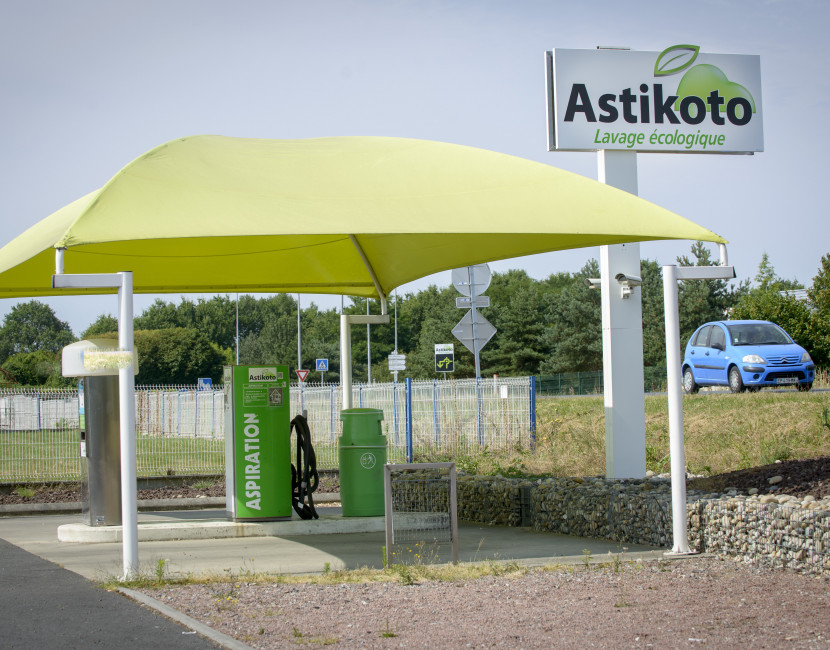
x=291, y=554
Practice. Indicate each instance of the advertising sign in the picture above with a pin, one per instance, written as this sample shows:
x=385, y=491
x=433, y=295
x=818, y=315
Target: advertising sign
x=679, y=100
x=444, y=357
x=262, y=457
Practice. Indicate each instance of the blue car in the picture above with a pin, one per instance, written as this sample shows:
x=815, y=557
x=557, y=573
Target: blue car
x=745, y=355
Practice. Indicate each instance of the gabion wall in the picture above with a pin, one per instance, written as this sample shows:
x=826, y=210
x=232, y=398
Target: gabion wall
x=769, y=529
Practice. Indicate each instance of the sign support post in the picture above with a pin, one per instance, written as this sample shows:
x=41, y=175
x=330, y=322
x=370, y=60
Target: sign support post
x=622, y=337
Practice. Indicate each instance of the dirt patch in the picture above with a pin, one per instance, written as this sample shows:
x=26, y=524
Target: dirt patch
x=71, y=492
x=798, y=478
x=670, y=604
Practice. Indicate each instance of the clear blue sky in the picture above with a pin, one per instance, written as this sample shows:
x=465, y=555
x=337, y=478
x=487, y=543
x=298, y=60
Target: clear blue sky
x=89, y=85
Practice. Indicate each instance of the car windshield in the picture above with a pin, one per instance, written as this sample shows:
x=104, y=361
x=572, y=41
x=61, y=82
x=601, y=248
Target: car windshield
x=758, y=334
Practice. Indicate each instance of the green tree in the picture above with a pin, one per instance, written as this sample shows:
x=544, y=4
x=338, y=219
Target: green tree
x=158, y=316
x=175, y=355
x=38, y=368
x=574, y=325
x=104, y=324
x=820, y=291
x=32, y=326
x=790, y=313
x=517, y=309
x=700, y=301
x=654, y=318
x=766, y=278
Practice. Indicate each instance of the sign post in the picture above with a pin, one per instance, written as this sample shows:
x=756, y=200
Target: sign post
x=473, y=330
x=618, y=102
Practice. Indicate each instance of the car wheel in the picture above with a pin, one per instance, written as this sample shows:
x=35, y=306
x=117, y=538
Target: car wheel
x=690, y=387
x=736, y=382
x=805, y=387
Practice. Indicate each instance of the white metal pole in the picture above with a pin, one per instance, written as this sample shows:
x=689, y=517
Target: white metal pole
x=368, y=347
x=675, y=394
x=346, y=360
x=126, y=403
x=299, y=338
x=395, y=374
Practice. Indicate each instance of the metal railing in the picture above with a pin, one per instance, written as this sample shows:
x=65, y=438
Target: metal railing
x=180, y=430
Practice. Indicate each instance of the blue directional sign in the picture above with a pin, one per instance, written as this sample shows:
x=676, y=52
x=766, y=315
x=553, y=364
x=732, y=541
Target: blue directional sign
x=205, y=383
x=322, y=365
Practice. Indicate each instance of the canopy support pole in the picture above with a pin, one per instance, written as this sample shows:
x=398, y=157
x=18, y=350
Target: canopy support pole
x=122, y=281
x=372, y=274
x=674, y=376
x=346, y=322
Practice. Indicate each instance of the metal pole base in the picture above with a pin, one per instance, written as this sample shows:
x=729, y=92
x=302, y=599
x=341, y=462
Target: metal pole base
x=687, y=553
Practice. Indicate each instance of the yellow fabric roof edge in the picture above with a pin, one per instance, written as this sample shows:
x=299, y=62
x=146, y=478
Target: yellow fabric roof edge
x=313, y=214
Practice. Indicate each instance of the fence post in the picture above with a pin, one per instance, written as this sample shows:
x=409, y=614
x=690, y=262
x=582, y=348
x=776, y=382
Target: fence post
x=436, y=420
x=332, y=410
x=212, y=413
x=360, y=395
x=479, y=419
x=37, y=401
x=395, y=409
x=532, y=401
x=409, y=454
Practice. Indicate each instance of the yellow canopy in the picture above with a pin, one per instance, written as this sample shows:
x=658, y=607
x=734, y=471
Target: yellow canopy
x=349, y=215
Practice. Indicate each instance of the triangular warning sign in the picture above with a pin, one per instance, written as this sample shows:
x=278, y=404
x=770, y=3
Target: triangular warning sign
x=302, y=374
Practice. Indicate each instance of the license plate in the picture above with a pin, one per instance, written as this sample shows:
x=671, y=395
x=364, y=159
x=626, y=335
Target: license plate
x=786, y=380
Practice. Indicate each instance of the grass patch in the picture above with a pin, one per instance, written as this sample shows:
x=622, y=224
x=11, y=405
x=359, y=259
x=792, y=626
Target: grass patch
x=723, y=432
x=228, y=582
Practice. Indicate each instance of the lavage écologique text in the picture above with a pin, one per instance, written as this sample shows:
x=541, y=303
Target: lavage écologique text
x=687, y=140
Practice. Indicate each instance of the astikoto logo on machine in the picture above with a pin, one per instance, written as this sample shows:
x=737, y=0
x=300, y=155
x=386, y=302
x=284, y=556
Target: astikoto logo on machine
x=678, y=100
x=263, y=374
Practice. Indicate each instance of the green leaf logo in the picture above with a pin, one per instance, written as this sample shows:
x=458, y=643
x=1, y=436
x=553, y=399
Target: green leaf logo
x=675, y=59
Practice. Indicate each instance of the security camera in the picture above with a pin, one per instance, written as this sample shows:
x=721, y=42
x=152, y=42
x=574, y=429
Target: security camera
x=593, y=283
x=628, y=280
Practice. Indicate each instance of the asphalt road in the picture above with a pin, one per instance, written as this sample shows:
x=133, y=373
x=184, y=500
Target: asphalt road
x=44, y=606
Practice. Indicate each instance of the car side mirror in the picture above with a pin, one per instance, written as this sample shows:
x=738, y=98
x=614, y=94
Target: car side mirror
x=718, y=346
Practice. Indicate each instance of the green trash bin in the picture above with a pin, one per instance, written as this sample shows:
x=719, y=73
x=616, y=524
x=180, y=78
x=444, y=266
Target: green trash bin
x=362, y=454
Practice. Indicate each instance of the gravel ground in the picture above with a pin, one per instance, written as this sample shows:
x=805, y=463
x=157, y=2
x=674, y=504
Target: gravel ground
x=701, y=601
x=668, y=604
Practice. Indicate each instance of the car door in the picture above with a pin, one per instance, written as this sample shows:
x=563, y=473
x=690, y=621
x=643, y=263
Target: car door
x=698, y=353
x=716, y=357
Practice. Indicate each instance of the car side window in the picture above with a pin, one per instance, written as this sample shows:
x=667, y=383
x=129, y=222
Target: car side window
x=717, y=339
x=702, y=338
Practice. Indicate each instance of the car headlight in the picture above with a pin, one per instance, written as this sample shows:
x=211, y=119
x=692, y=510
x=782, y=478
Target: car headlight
x=806, y=358
x=753, y=358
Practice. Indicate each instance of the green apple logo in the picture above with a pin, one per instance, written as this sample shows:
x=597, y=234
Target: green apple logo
x=703, y=79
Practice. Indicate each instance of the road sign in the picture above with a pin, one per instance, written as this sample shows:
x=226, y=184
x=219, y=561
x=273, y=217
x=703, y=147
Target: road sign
x=444, y=357
x=397, y=362
x=204, y=383
x=465, y=302
x=302, y=374
x=464, y=331
x=322, y=365
x=481, y=279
